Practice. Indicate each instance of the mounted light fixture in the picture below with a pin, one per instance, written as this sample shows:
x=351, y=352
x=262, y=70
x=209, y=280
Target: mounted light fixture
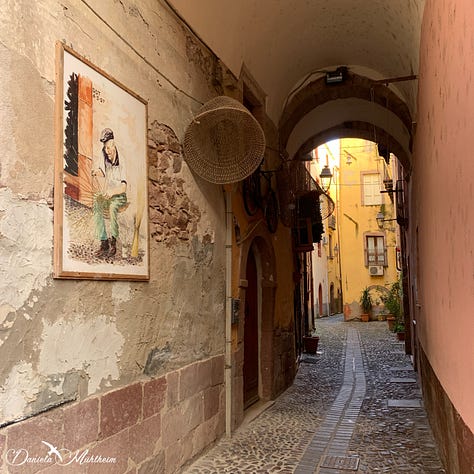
x=337, y=76
x=326, y=177
x=380, y=220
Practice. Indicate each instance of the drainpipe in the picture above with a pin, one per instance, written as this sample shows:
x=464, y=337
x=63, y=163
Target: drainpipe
x=228, y=313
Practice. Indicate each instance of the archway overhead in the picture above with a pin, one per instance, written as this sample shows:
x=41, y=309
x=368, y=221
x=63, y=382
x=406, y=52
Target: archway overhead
x=354, y=129
x=375, y=99
x=281, y=41
x=351, y=110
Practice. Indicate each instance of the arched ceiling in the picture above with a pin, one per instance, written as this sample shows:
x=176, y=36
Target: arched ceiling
x=286, y=44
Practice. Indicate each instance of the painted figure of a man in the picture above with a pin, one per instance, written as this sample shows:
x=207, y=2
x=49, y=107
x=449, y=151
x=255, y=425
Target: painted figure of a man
x=110, y=196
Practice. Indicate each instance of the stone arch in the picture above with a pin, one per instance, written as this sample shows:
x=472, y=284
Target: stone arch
x=356, y=129
x=356, y=90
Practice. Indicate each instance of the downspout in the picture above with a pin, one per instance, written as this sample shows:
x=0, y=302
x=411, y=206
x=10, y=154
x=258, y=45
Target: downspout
x=228, y=313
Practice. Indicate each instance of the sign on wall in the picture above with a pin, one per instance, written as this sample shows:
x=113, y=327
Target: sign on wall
x=100, y=194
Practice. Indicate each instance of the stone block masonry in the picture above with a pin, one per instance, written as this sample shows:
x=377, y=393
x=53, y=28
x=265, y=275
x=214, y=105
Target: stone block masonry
x=155, y=423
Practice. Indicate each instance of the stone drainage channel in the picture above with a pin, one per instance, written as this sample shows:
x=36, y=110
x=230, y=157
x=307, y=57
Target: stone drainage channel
x=329, y=446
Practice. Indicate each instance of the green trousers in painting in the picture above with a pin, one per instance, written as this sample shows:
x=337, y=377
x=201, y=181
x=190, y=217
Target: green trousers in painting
x=107, y=208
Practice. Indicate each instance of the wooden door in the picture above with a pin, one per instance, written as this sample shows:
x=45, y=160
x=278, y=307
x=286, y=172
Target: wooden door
x=251, y=335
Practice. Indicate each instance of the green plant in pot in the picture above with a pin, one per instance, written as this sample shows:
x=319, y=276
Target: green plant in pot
x=393, y=305
x=399, y=330
x=365, y=304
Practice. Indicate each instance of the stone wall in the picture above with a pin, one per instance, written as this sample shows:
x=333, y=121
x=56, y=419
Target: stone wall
x=82, y=359
x=152, y=425
x=74, y=352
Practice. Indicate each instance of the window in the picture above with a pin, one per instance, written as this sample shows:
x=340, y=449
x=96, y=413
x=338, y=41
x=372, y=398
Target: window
x=371, y=187
x=375, y=251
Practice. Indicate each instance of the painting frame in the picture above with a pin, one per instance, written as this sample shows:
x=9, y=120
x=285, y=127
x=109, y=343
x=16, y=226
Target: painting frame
x=101, y=222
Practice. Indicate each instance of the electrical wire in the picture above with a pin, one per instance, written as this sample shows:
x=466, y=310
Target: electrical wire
x=125, y=41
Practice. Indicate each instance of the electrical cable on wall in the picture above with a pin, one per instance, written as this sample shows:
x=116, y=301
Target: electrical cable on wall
x=167, y=79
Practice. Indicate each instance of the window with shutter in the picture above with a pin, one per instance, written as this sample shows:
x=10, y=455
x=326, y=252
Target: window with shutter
x=375, y=252
x=371, y=186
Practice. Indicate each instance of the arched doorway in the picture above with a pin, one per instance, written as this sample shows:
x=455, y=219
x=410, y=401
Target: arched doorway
x=251, y=334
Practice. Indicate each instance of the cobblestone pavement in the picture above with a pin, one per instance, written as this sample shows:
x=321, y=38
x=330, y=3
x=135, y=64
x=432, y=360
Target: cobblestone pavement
x=341, y=415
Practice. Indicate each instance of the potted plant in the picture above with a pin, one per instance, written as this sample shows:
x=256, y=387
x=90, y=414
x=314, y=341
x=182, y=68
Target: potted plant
x=393, y=305
x=365, y=304
x=310, y=342
x=399, y=330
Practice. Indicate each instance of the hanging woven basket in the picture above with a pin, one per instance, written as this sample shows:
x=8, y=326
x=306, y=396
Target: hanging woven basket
x=224, y=143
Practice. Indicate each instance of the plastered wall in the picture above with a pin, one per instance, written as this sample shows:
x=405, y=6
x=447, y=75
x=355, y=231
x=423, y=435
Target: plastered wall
x=67, y=340
x=442, y=222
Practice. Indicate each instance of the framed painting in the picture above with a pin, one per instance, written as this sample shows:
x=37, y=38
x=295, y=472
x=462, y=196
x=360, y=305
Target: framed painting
x=101, y=182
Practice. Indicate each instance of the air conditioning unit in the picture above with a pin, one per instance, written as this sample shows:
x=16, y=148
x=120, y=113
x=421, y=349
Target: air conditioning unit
x=376, y=270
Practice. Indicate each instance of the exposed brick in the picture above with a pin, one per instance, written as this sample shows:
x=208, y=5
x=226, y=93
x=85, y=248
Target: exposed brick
x=60, y=469
x=118, y=447
x=177, y=454
x=154, y=393
x=153, y=466
x=194, y=378
x=186, y=448
x=181, y=420
x=81, y=424
x=220, y=423
x=28, y=435
x=143, y=438
x=211, y=401
x=172, y=392
x=203, y=436
x=172, y=457
x=217, y=376
x=120, y=409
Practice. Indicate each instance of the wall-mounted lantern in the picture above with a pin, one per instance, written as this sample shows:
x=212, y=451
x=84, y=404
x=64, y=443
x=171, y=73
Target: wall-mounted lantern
x=326, y=177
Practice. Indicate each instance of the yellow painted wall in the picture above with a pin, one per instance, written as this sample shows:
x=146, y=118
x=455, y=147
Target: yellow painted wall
x=356, y=219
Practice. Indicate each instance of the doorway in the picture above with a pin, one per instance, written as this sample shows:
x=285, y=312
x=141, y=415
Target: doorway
x=331, y=300
x=251, y=334
x=320, y=299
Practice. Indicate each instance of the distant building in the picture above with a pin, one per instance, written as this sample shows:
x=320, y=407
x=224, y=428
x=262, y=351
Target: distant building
x=367, y=247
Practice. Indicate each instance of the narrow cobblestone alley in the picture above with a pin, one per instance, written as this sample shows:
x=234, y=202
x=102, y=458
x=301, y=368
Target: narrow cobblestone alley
x=354, y=407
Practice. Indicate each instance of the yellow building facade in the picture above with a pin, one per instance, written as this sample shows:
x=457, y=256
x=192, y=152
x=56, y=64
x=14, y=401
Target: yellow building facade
x=367, y=246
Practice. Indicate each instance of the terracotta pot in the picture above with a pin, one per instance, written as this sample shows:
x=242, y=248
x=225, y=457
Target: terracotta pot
x=401, y=336
x=391, y=322
x=364, y=317
x=310, y=344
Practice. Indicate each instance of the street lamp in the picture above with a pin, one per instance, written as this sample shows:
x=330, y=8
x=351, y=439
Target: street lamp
x=380, y=220
x=326, y=177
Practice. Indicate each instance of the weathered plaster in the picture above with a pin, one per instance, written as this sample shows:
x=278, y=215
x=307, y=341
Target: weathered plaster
x=82, y=337
x=20, y=388
x=121, y=292
x=27, y=139
x=25, y=249
x=93, y=346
